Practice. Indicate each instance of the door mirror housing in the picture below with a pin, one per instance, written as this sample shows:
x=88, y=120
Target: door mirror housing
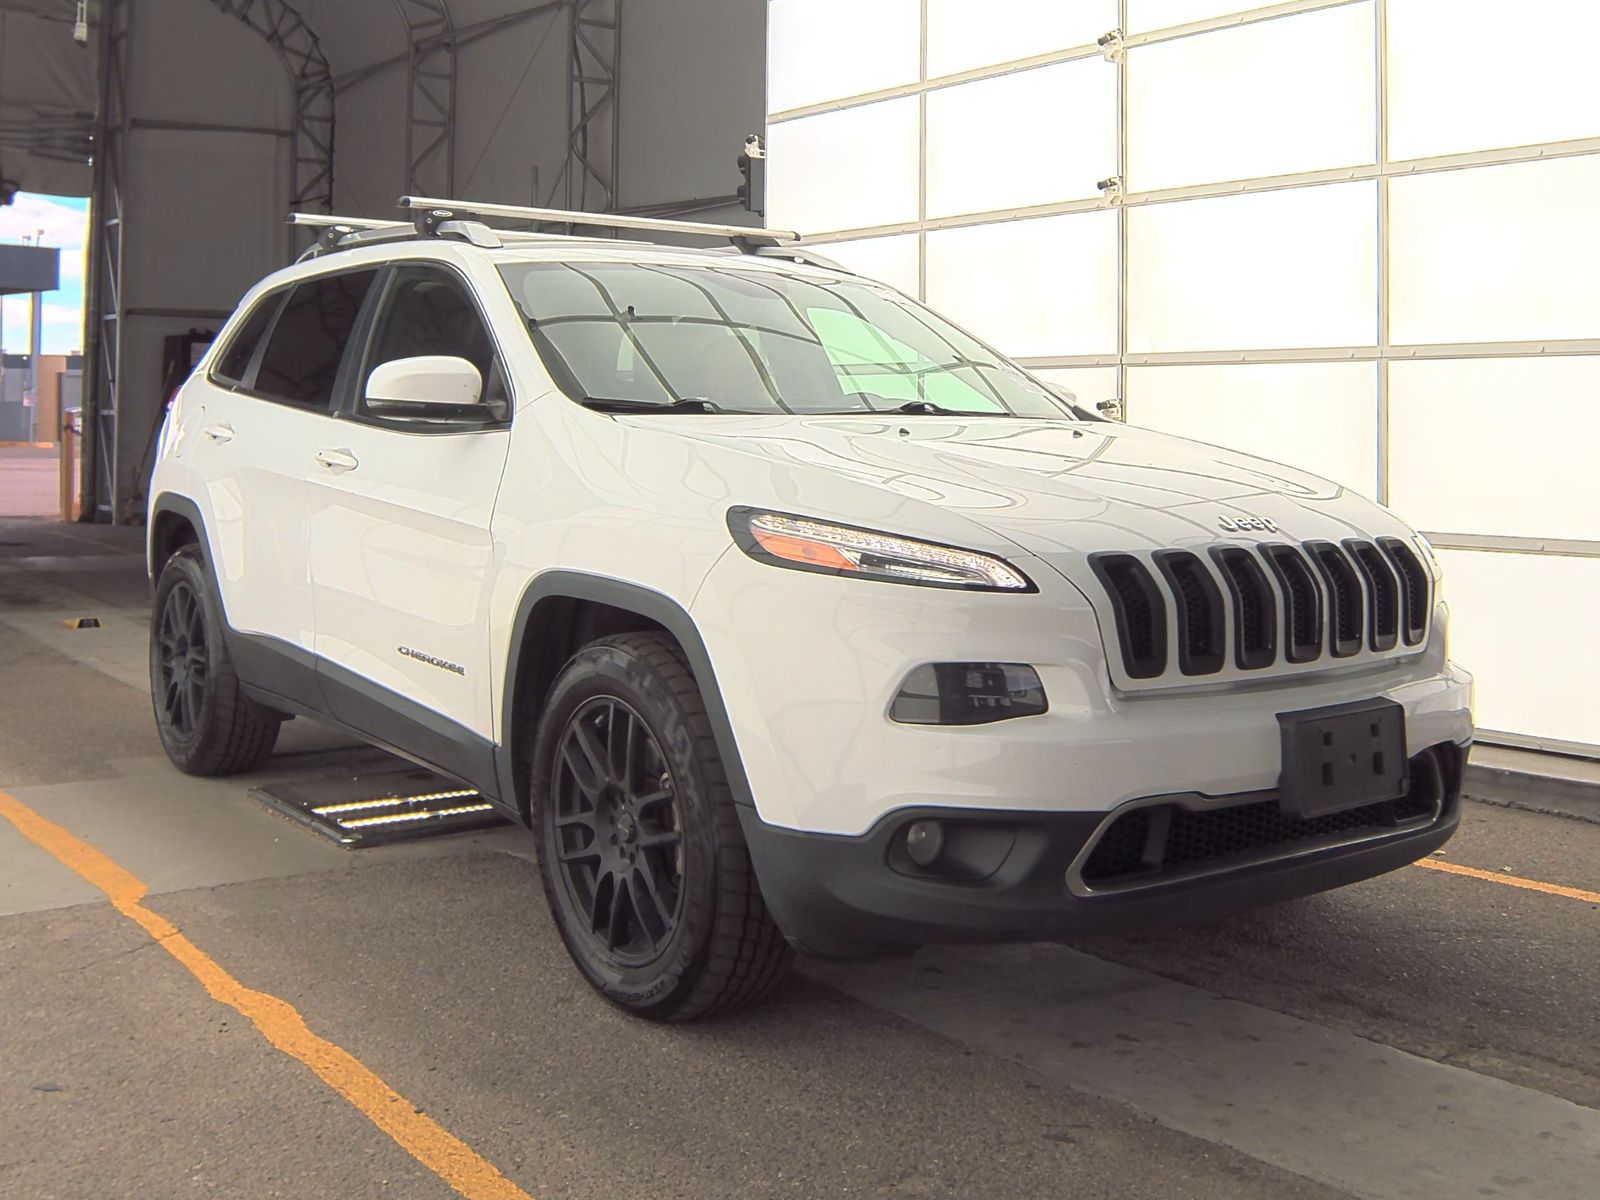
x=433, y=386
x=1111, y=409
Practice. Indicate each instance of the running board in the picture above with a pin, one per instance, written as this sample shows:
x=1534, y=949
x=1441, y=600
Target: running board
x=381, y=808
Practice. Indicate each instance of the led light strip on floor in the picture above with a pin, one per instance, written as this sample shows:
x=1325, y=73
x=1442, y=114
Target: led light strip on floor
x=347, y=811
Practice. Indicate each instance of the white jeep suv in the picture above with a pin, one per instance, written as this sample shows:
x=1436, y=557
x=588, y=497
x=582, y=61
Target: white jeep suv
x=785, y=613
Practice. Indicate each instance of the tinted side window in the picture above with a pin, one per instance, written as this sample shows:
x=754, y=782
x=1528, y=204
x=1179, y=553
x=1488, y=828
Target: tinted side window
x=429, y=312
x=235, y=360
x=302, y=359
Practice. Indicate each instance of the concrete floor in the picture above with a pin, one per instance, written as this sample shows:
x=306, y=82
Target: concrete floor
x=29, y=481
x=1421, y=1035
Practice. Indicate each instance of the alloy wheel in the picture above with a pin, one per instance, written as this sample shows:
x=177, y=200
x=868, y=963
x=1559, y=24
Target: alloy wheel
x=184, y=665
x=618, y=840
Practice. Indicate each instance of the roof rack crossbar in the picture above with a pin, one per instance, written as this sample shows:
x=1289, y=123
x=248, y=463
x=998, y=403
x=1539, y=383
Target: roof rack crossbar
x=740, y=235
x=349, y=224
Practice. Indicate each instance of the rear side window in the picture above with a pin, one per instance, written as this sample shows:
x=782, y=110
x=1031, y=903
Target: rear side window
x=302, y=359
x=235, y=360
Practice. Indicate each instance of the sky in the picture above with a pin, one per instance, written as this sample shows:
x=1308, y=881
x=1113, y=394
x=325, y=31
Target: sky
x=65, y=221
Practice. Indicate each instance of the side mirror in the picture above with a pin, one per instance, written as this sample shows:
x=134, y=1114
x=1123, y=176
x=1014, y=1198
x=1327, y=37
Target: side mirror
x=1111, y=409
x=433, y=385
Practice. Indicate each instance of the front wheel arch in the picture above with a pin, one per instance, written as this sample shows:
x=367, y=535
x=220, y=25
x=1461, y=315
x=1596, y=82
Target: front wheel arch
x=529, y=665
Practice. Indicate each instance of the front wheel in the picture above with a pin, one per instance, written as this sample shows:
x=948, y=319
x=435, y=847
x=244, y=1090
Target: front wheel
x=644, y=865
x=208, y=726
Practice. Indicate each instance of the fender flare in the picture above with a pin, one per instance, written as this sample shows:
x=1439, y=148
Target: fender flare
x=169, y=502
x=657, y=607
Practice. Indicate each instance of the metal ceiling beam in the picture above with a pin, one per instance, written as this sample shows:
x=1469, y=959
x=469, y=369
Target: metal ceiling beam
x=430, y=96
x=463, y=36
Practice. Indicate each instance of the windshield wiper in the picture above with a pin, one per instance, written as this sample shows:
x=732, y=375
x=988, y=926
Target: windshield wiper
x=693, y=404
x=921, y=408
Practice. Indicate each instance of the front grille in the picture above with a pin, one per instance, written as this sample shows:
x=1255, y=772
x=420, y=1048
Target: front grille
x=1255, y=613
x=1200, y=630
x=1414, y=588
x=1383, y=594
x=1302, y=599
x=1159, y=842
x=1141, y=613
x=1276, y=602
x=1344, y=597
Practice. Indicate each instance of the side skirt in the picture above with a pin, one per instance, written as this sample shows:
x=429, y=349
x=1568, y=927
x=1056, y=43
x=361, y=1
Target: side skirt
x=290, y=679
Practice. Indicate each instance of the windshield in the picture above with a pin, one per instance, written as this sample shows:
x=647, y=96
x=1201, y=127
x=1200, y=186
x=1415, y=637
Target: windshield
x=759, y=341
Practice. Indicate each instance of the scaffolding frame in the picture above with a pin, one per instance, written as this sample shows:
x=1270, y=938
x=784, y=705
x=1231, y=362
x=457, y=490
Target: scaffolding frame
x=430, y=95
x=310, y=188
x=594, y=54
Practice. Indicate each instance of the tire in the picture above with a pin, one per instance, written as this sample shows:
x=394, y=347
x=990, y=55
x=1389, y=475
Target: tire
x=207, y=724
x=645, y=868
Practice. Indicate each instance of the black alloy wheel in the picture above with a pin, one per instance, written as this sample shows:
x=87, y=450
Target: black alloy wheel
x=208, y=725
x=181, y=664
x=619, y=842
x=641, y=853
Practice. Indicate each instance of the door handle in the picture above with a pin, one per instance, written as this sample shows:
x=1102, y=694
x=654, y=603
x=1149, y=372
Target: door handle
x=338, y=460
x=221, y=432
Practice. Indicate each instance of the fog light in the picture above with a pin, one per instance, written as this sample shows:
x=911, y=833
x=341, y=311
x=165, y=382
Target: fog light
x=924, y=842
x=968, y=694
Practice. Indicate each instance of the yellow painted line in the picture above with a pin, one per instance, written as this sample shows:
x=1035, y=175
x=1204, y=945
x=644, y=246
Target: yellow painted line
x=1516, y=881
x=435, y=1147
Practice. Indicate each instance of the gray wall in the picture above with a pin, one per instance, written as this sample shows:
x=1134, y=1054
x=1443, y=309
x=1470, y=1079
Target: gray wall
x=694, y=84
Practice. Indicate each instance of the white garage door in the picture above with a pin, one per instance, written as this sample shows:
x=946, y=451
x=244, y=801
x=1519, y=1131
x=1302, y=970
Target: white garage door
x=1361, y=236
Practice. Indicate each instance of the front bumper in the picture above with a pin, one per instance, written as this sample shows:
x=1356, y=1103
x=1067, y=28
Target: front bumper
x=856, y=896
x=808, y=666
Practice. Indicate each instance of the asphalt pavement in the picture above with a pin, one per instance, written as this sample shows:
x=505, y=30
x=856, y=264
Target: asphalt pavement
x=1427, y=1034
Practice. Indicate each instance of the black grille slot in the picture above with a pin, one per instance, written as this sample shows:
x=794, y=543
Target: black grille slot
x=1255, y=613
x=1383, y=594
x=1304, y=601
x=1200, y=626
x=1344, y=597
x=1140, y=612
x=1413, y=589
x=1156, y=841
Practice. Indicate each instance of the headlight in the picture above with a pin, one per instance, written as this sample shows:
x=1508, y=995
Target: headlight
x=807, y=545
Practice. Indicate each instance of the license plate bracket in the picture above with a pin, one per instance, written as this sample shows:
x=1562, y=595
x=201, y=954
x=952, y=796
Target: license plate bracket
x=1342, y=756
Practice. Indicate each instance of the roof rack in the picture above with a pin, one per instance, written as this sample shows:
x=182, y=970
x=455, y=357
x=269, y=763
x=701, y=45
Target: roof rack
x=460, y=220
x=742, y=236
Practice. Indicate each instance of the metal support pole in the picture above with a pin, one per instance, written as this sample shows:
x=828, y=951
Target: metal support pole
x=35, y=349
x=1121, y=63
x=103, y=316
x=922, y=162
x=1381, y=111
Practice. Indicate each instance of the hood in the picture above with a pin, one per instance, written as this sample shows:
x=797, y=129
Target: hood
x=1054, y=487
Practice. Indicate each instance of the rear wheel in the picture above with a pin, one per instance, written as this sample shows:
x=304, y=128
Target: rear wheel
x=207, y=724
x=644, y=865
